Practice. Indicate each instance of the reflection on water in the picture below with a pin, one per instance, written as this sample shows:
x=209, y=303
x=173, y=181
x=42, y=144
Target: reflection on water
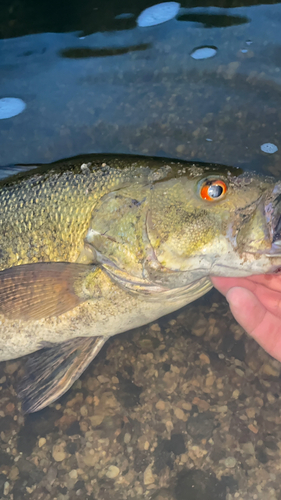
x=189, y=407
x=213, y=20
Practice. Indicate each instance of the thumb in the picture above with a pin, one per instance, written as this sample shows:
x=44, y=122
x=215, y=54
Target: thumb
x=246, y=308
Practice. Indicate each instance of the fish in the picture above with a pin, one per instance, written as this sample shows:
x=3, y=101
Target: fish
x=97, y=245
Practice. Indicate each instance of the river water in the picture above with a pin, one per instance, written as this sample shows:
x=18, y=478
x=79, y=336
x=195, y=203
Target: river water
x=187, y=408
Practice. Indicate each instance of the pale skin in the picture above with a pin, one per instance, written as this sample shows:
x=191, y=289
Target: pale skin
x=255, y=303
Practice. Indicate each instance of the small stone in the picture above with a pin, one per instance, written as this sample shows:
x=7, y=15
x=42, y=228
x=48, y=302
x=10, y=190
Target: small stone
x=253, y=428
x=96, y=420
x=169, y=425
x=112, y=472
x=248, y=448
x=73, y=474
x=251, y=412
x=179, y=413
x=187, y=406
x=235, y=394
x=10, y=407
x=6, y=488
x=205, y=360
x=199, y=328
x=146, y=445
x=115, y=380
x=230, y=462
x=201, y=403
x=222, y=409
x=270, y=397
x=180, y=148
x=210, y=380
x=102, y=379
x=155, y=327
x=127, y=438
x=58, y=452
x=266, y=369
x=10, y=368
x=160, y=405
x=148, y=477
x=14, y=472
x=84, y=411
x=41, y=442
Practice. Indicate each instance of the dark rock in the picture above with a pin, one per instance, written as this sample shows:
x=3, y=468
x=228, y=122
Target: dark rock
x=5, y=458
x=261, y=455
x=3, y=479
x=36, y=424
x=71, y=448
x=73, y=429
x=128, y=393
x=177, y=444
x=232, y=347
x=199, y=485
x=201, y=426
x=141, y=461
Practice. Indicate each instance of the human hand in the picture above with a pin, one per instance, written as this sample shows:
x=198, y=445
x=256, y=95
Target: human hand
x=255, y=303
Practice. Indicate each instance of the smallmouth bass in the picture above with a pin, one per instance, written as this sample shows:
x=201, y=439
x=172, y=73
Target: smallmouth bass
x=94, y=246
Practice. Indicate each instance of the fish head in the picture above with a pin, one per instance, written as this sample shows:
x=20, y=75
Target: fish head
x=215, y=223
x=186, y=225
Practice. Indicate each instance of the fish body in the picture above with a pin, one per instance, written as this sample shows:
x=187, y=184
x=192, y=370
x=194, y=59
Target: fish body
x=94, y=246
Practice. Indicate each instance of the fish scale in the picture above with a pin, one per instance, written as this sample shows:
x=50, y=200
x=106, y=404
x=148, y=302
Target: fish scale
x=97, y=245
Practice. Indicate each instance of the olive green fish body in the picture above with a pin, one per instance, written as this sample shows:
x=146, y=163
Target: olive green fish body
x=95, y=246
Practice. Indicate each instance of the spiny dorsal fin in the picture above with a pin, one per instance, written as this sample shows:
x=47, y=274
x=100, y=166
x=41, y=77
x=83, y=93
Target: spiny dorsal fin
x=41, y=290
x=49, y=373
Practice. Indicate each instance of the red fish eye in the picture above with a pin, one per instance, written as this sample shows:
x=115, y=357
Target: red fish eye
x=213, y=190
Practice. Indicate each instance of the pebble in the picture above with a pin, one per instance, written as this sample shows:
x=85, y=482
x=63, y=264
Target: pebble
x=160, y=405
x=41, y=442
x=112, y=472
x=148, y=477
x=6, y=488
x=84, y=411
x=10, y=368
x=187, y=406
x=248, y=448
x=230, y=462
x=199, y=328
x=235, y=394
x=73, y=474
x=155, y=328
x=127, y=438
x=102, y=379
x=251, y=412
x=205, y=360
x=222, y=409
x=179, y=413
x=266, y=369
x=58, y=452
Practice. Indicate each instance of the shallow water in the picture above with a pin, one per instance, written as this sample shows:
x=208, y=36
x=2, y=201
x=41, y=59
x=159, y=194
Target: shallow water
x=187, y=408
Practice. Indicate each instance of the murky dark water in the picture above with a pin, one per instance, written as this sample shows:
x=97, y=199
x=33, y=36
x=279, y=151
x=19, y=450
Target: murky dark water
x=188, y=408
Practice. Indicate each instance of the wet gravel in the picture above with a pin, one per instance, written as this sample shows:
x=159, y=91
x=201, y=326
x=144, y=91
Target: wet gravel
x=187, y=408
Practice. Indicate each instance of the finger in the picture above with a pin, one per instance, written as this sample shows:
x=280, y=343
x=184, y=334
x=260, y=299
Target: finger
x=272, y=281
x=262, y=325
x=224, y=284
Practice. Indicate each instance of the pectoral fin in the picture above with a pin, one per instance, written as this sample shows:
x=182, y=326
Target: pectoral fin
x=41, y=290
x=52, y=371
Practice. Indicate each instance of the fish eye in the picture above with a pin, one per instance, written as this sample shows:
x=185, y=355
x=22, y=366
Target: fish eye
x=213, y=189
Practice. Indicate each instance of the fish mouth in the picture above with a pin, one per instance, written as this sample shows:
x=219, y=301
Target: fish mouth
x=273, y=216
